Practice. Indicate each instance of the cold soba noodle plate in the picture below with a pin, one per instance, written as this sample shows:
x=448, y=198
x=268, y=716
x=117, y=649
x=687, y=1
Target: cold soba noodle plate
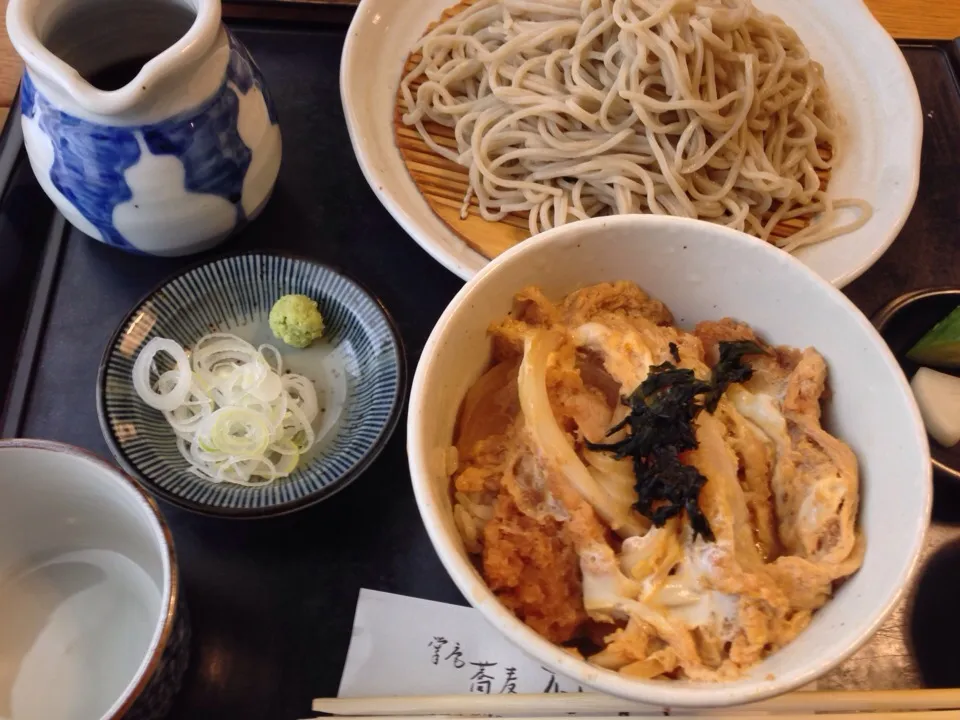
x=519, y=116
x=570, y=109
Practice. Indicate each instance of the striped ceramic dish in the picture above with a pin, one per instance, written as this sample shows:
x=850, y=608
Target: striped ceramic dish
x=235, y=294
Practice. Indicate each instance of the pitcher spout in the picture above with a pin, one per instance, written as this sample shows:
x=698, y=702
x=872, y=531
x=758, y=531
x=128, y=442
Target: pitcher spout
x=107, y=58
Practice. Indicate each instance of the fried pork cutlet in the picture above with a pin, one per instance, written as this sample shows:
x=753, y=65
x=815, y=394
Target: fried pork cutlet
x=533, y=568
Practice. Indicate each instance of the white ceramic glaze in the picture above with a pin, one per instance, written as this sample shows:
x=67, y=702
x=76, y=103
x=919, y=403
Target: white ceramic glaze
x=86, y=585
x=869, y=80
x=173, y=161
x=702, y=272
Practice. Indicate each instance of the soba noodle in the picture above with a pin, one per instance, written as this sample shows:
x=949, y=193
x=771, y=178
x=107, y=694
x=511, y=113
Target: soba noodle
x=567, y=109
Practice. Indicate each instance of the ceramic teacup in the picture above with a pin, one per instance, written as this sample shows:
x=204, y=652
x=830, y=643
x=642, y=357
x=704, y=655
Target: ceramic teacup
x=91, y=623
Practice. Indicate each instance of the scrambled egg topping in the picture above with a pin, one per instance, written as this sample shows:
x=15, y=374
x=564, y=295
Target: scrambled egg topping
x=553, y=524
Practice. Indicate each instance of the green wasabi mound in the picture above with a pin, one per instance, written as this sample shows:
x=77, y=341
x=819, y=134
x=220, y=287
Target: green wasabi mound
x=941, y=346
x=296, y=320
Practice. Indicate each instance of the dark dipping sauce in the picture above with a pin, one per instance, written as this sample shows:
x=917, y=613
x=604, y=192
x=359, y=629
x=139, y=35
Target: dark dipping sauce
x=118, y=75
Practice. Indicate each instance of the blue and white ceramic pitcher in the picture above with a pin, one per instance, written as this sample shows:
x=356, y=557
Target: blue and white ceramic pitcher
x=146, y=122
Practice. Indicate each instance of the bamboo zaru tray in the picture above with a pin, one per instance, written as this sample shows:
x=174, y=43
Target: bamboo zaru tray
x=444, y=184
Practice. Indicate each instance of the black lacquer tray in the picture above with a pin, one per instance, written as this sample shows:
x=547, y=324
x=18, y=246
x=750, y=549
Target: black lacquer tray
x=272, y=601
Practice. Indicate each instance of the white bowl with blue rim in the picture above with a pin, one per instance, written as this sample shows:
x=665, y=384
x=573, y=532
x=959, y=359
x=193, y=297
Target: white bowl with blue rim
x=234, y=295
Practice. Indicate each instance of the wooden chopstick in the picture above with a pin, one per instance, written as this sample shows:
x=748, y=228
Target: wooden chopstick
x=557, y=704
x=907, y=715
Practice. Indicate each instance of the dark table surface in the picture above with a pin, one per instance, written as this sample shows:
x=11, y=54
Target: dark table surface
x=272, y=601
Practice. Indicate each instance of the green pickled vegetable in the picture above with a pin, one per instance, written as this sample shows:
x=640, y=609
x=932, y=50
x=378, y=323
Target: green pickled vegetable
x=940, y=347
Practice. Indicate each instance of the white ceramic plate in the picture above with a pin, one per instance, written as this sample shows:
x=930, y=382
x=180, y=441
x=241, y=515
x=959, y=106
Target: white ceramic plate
x=869, y=80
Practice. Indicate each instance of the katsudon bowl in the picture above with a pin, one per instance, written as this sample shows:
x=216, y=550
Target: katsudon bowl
x=702, y=272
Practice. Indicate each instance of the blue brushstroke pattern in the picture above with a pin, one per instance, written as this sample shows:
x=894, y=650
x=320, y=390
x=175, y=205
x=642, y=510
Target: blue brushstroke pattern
x=28, y=97
x=209, y=146
x=90, y=159
x=243, y=72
